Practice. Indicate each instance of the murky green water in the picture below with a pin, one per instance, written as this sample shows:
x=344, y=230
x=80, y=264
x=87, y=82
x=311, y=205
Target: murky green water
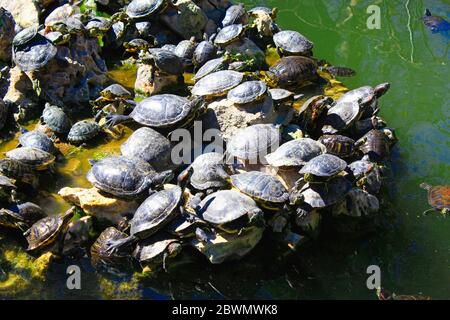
x=412, y=251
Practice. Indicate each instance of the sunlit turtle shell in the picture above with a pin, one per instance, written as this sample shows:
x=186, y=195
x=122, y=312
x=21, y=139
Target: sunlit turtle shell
x=115, y=91
x=56, y=119
x=83, y=131
x=167, y=61
x=248, y=92
x=324, y=165
x=341, y=116
x=154, y=250
x=292, y=42
x=217, y=83
x=295, y=153
x=229, y=34
x=338, y=145
x=38, y=52
x=138, y=9
x=204, y=52
x=37, y=139
x=209, y=67
x=25, y=36
x=438, y=196
x=236, y=14
x=324, y=195
x=209, y=171
x=36, y=158
x=293, y=70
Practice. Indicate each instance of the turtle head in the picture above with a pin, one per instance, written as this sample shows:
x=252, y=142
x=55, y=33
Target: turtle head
x=425, y=186
x=159, y=179
x=184, y=177
x=198, y=105
x=174, y=249
x=381, y=89
x=295, y=198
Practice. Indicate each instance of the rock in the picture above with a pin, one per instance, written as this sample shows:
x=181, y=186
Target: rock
x=92, y=202
x=7, y=26
x=25, y=12
x=188, y=21
x=148, y=83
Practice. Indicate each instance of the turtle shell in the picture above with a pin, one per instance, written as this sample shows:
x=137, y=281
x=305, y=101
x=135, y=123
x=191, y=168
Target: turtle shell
x=293, y=70
x=60, y=14
x=254, y=141
x=185, y=49
x=209, y=171
x=341, y=116
x=14, y=169
x=115, y=91
x=338, y=145
x=5, y=182
x=248, y=92
x=155, y=212
x=217, y=83
x=56, y=119
x=360, y=168
x=229, y=34
x=21, y=216
x=324, y=165
x=45, y=231
x=324, y=195
x=36, y=55
x=439, y=197
x=209, y=67
x=204, y=52
x=236, y=14
x=25, y=36
x=279, y=95
x=150, y=146
x=262, y=187
x=226, y=206
x=375, y=144
x=120, y=176
x=292, y=42
x=38, y=140
x=296, y=152
x=161, y=110
x=35, y=158
x=82, y=131
x=151, y=250
x=167, y=61
x=138, y=9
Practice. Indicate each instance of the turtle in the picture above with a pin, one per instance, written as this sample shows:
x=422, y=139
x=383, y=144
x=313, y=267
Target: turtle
x=248, y=92
x=150, y=146
x=368, y=175
x=204, y=52
x=290, y=42
x=169, y=47
x=434, y=23
x=136, y=45
x=56, y=119
x=83, y=131
x=383, y=294
x=98, y=26
x=264, y=188
x=60, y=14
x=103, y=260
x=154, y=251
x=230, y=211
x=47, y=231
x=138, y=9
x=295, y=153
x=162, y=111
x=235, y=14
x=338, y=145
x=358, y=203
x=21, y=216
x=254, y=142
x=152, y=215
x=217, y=84
x=17, y=170
x=35, y=158
x=312, y=111
x=272, y=12
x=362, y=126
x=438, y=198
x=38, y=140
x=165, y=61
x=115, y=92
x=292, y=71
x=58, y=38
x=185, y=50
x=7, y=31
x=71, y=25
x=341, y=116
x=25, y=36
x=7, y=189
x=280, y=95
x=229, y=34
x=376, y=143
x=35, y=54
x=322, y=168
x=210, y=67
x=126, y=177
x=184, y=226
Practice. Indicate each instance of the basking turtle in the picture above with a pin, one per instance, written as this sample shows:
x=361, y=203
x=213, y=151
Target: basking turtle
x=280, y=95
x=229, y=34
x=58, y=38
x=154, y=251
x=204, y=52
x=368, y=175
x=98, y=26
x=184, y=226
x=7, y=189
x=185, y=50
x=323, y=168
x=21, y=216
x=210, y=67
x=272, y=12
x=25, y=36
x=56, y=119
x=230, y=211
x=165, y=61
x=126, y=177
x=438, y=198
x=376, y=143
x=162, y=111
x=248, y=92
x=17, y=170
x=38, y=140
x=217, y=84
x=138, y=9
x=254, y=142
x=47, y=231
x=60, y=14
x=83, y=131
x=295, y=153
x=312, y=111
x=341, y=116
x=359, y=203
x=236, y=14
x=292, y=43
x=338, y=145
x=382, y=294
x=114, y=92
x=35, y=158
x=150, y=146
x=293, y=71
x=136, y=45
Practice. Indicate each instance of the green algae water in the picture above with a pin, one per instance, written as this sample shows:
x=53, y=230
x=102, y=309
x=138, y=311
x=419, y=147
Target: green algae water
x=412, y=250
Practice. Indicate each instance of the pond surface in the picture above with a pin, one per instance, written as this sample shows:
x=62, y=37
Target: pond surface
x=413, y=251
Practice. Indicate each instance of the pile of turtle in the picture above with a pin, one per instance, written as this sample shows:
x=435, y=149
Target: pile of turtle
x=293, y=158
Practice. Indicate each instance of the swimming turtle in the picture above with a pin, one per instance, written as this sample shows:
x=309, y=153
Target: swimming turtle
x=322, y=168
x=38, y=140
x=438, y=197
x=230, y=211
x=295, y=153
x=83, y=131
x=229, y=34
x=338, y=145
x=138, y=9
x=56, y=119
x=35, y=158
x=368, y=175
x=235, y=14
x=254, y=142
x=161, y=111
x=376, y=143
x=290, y=42
x=292, y=71
x=204, y=52
x=341, y=116
x=47, y=231
x=154, y=251
x=217, y=83
x=21, y=216
x=383, y=294
x=126, y=177
x=210, y=67
x=150, y=146
x=248, y=92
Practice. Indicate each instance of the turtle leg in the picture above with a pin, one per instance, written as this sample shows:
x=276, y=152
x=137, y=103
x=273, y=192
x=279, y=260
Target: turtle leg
x=427, y=212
